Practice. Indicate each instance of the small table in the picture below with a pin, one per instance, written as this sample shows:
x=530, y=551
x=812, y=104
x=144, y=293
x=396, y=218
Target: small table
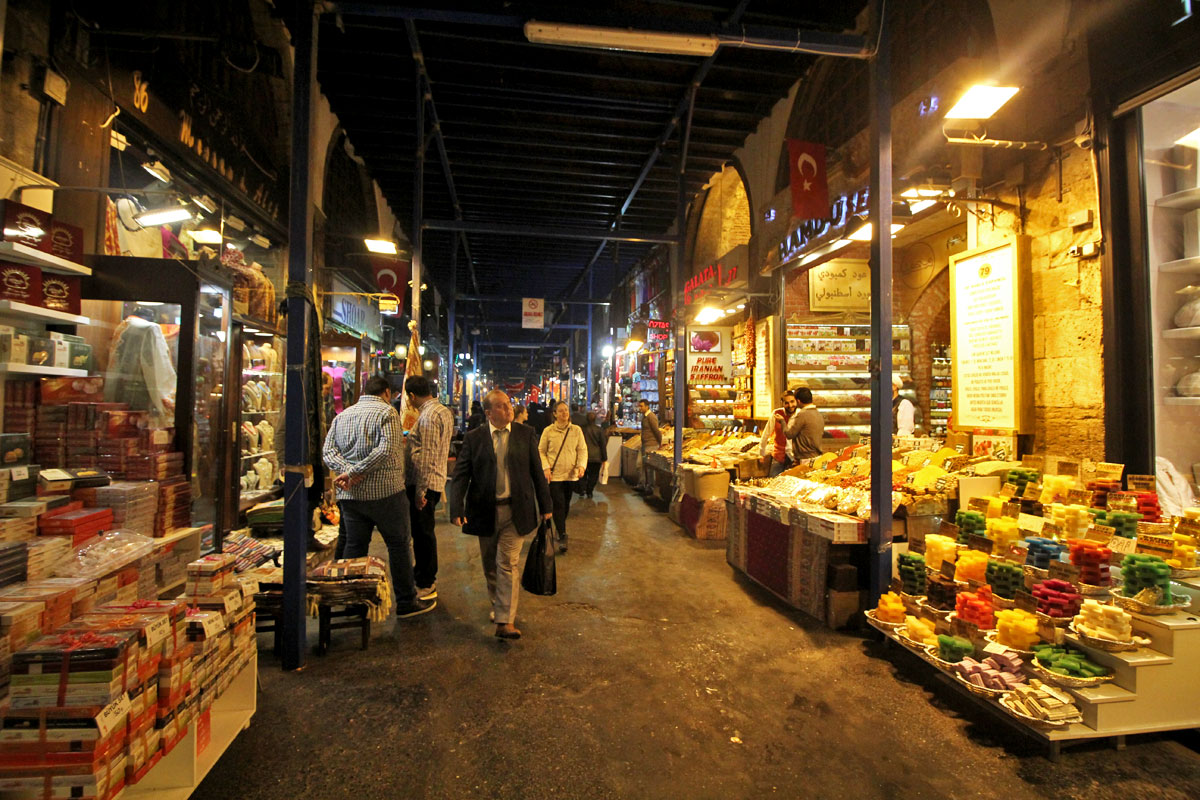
x=351, y=616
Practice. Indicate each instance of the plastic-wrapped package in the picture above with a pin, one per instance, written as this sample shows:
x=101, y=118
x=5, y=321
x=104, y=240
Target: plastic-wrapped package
x=107, y=554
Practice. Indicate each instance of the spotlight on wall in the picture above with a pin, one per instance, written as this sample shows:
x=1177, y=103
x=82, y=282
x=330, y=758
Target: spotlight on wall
x=260, y=240
x=236, y=223
x=637, y=337
x=163, y=216
x=205, y=236
x=981, y=102
x=157, y=169
x=380, y=246
x=205, y=203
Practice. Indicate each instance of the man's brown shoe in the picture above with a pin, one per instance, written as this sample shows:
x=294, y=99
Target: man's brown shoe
x=507, y=631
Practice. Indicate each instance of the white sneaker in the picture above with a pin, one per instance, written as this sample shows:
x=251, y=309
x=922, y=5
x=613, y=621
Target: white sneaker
x=428, y=593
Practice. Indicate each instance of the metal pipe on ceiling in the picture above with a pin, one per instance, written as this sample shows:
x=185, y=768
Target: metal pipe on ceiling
x=540, y=231
x=509, y=299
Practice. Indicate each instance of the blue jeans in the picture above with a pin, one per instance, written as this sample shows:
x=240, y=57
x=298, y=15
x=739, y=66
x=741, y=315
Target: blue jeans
x=777, y=467
x=390, y=515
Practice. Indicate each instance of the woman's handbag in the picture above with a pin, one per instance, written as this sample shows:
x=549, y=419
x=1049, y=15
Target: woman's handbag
x=540, y=576
x=603, y=479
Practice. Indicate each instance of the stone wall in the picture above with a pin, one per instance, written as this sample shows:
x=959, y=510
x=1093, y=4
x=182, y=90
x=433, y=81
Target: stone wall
x=724, y=219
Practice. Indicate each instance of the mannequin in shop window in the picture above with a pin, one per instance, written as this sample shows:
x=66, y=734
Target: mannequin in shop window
x=140, y=372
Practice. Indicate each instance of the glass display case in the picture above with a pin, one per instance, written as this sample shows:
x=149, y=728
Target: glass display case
x=342, y=364
x=262, y=354
x=210, y=373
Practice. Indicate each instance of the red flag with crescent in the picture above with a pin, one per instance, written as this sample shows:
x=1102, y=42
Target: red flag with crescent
x=391, y=274
x=810, y=182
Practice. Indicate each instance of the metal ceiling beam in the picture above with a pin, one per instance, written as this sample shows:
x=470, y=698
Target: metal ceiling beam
x=521, y=324
x=549, y=300
x=548, y=232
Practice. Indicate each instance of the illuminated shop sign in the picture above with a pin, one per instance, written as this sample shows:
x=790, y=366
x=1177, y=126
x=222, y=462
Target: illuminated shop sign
x=814, y=231
x=731, y=272
x=658, y=333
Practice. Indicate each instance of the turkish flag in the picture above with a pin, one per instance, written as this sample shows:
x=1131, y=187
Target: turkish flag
x=810, y=182
x=391, y=274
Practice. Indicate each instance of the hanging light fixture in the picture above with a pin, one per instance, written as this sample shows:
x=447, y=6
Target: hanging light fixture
x=205, y=236
x=637, y=337
x=163, y=216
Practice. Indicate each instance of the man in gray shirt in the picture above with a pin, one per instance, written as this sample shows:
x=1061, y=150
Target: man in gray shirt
x=651, y=440
x=806, y=427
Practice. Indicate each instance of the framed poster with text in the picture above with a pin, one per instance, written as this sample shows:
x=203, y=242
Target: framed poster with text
x=989, y=323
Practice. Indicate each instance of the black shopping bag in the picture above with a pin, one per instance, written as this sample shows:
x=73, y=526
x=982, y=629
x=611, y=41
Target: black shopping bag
x=540, y=576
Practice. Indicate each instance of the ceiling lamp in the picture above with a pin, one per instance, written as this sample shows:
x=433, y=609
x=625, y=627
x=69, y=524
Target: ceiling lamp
x=163, y=216
x=637, y=337
x=157, y=169
x=380, y=246
x=236, y=223
x=863, y=234
x=680, y=44
x=205, y=203
x=607, y=351
x=708, y=315
x=981, y=102
x=205, y=236
x=260, y=240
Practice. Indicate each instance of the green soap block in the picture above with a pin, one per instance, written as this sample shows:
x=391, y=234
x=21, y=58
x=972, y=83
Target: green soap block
x=1059, y=671
x=1067, y=662
x=1091, y=670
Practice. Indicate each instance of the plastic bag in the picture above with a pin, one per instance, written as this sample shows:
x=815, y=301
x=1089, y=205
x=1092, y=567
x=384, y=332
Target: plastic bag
x=540, y=576
x=603, y=479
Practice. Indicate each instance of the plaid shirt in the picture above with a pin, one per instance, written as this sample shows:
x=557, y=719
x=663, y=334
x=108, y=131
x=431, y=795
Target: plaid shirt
x=366, y=439
x=429, y=447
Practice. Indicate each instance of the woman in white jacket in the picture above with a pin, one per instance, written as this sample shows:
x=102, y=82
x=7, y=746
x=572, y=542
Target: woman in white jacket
x=564, y=458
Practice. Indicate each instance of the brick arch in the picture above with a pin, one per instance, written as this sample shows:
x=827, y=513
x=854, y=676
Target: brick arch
x=724, y=219
x=929, y=316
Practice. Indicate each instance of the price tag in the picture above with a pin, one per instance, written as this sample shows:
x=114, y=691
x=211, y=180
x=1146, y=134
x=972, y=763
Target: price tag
x=157, y=631
x=19, y=474
x=948, y=529
x=1123, y=501
x=916, y=540
x=1051, y=531
x=1122, y=546
x=1028, y=522
x=1108, y=471
x=1049, y=632
x=1069, y=468
x=910, y=479
x=114, y=714
x=1141, y=483
x=981, y=543
x=1015, y=554
x=1009, y=490
x=1163, y=546
x=896, y=586
x=249, y=587
x=979, y=504
x=965, y=629
x=1011, y=509
x=1025, y=601
x=1188, y=527
x=1081, y=497
x=160, y=436
x=1064, y=571
x=1100, y=533
x=995, y=648
x=1033, y=462
x=947, y=569
x=941, y=483
x=1153, y=529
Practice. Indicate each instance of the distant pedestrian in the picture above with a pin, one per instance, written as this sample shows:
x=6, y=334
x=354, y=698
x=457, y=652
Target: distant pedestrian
x=537, y=418
x=476, y=419
x=651, y=441
x=597, y=453
x=365, y=449
x=425, y=468
x=564, y=458
x=521, y=416
x=578, y=417
x=495, y=493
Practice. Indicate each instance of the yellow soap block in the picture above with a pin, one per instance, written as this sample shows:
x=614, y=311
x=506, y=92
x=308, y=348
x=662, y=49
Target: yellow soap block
x=939, y=548
x=1004, y=533
x=920, y=630
x=1055, y=487
x=971, y=566
x=1016, y=628
x=890, y=608
x=995, y=507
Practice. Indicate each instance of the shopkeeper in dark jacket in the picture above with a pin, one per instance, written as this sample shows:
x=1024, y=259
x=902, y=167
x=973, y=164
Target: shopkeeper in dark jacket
x=774, y=447
x=500, y=505
x=805, y=428
x=597, y=453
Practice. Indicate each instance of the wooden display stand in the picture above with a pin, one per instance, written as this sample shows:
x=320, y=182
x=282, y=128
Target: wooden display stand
x=209, y=735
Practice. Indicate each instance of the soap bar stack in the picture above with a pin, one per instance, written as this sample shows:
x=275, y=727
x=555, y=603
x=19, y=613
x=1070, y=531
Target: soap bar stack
x=976, y=607
x=1016, y=628
x=1057, y=598
x=1072, y=520
x=1041, y=701
x=971, y=566
x=1092, y=559
x=1055, y=487
x=1041, y=551
x=920, y=630
x=1005, y=578
x=940, y=592
x=890, y=608
x=969, y=522
x=1124, y=523
x=1104, y=622
x=1184, y=556
x=1148, y=506
x=911, y=567
x=939, y=548
x=1100, y=490
x=1068, y=661
x=1141, y=572
x=953, y=648
x=1021, y=477
x=1003, y=532
x=1001, y=671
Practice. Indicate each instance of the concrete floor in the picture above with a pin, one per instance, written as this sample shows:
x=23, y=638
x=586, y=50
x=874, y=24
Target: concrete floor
x=655, y=672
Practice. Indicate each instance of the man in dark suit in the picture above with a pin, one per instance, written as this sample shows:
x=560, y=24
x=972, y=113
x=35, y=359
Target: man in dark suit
x=500, y=506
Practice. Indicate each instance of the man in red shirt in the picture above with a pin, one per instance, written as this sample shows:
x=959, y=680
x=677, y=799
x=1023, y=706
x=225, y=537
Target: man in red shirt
x=774, y=447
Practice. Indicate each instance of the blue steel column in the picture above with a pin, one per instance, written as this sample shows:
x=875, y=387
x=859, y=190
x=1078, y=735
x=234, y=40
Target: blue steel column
x=591, y=315
x=418, y=256
x=295, y=510
x=452, y=367
x=677, y=284
x=881, y=308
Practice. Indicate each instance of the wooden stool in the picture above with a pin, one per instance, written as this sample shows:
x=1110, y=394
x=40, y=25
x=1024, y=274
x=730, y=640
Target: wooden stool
x=354, y=616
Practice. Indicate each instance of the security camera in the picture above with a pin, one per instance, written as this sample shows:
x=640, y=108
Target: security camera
x=1084, y=141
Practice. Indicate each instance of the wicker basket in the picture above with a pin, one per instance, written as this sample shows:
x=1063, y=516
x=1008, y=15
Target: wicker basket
x=1138, y=607
x=1058, y=622
x=1108, y=645
x=1066, y=681
x=878, y=624
x=1041, y=723
x=931, y=655
x=1177, y=572
x=1002, y=603
x=911, y=644
x=923, y=603
x=1088, y=590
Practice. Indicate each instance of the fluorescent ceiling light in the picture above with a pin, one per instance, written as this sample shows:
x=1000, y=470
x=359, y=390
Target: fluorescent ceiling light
x=163, y=216
x=250, y=330
x=981, y=102
x=235, y=222
x=1190, y=140
x=708, y=315
x=260, y=240
x=380, y=246
x=924, y=191
x=921, y=205
x=205, y=236
x=620, y=39
x=205, y=203
x=157, y=169
x=863, y=234
x=32, y=231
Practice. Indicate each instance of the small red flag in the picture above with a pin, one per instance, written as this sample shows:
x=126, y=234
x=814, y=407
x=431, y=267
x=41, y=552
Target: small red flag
x=810, y=182
x=391, y=274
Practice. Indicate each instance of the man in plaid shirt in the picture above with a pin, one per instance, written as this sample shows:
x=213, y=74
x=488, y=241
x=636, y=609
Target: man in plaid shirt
x=428, y=452
x=365, y=449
